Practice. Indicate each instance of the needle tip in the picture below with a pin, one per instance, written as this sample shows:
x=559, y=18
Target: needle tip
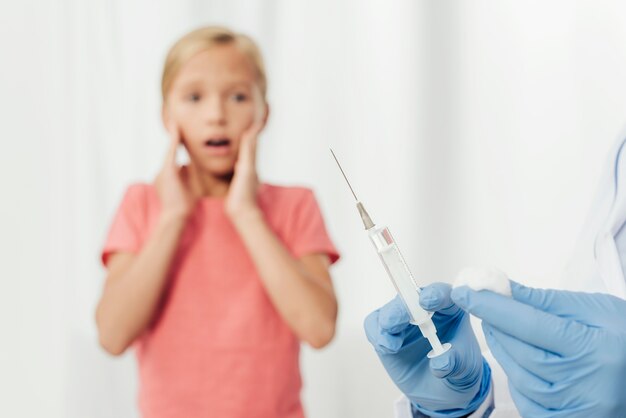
x=344, y=174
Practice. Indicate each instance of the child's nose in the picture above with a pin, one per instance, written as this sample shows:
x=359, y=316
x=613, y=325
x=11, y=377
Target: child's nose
x=215, y=112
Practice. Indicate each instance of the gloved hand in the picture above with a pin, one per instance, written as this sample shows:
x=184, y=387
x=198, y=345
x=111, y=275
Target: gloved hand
x=563, y=352
x=453, y=384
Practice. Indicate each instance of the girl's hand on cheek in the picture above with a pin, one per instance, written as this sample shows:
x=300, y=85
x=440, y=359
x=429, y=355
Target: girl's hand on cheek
x=241, y=198
x=176, y=198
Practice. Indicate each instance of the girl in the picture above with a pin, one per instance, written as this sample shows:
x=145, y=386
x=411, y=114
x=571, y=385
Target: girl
x=212, y=277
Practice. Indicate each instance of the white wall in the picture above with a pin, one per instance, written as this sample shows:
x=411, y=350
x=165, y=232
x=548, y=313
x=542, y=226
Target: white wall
x=475, y=129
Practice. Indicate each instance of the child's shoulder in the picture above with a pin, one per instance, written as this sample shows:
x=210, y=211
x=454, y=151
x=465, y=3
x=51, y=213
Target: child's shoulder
x=287, y=200
x=139, y=193
x=284, y=194
x=140, y=188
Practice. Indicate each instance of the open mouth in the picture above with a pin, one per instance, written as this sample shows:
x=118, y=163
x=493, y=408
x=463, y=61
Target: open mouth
x=217, y=143
x=218, y=147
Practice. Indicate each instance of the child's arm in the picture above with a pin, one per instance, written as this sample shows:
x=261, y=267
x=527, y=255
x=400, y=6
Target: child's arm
x=134, y=286
x=135, y=283
x=301, y=289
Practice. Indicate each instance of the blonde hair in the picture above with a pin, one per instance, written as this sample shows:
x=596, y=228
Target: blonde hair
x=204, y=38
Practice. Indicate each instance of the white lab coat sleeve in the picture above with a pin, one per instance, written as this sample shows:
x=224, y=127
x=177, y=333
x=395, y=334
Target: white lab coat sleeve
x=498, y=403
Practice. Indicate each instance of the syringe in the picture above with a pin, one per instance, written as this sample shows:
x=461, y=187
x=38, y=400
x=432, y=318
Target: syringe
x=400, y=275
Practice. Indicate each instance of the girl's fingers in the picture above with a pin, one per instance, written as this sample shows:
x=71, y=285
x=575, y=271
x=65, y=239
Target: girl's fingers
x=183, y=174
x=247, y=152
x=170, y=159
x=185, y=177
x=253, y=131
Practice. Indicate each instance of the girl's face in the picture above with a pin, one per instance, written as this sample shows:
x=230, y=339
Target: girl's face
x=213, y=100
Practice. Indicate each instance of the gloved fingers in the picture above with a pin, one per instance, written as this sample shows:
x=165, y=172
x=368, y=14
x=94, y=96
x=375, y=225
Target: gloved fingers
x=458, y=370
x=444, y=364
x=393, y=316
x=544, y=364
x=436, y=297
x=528, y=384
x=383, y=341
x=543, y=299
x=583, y=307
x=528, y=407
x=526, y=323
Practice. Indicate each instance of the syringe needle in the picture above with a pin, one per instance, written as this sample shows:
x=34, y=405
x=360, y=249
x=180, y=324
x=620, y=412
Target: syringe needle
x=365, y=217
x=344, y=174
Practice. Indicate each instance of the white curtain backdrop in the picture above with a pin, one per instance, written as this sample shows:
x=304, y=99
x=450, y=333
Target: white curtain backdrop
x=475, y=129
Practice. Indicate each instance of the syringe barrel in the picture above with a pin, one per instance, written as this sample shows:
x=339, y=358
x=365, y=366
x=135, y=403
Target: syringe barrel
x=399, y=273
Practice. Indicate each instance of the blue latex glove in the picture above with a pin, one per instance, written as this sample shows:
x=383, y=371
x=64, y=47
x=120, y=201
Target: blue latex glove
x=453, y=384
x=563, y=352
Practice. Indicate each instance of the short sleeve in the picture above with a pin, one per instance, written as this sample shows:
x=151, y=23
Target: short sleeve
x=309, y=234
x=126, y=231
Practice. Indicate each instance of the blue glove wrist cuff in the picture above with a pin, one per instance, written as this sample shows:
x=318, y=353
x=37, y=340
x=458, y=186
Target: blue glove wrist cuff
x=485, y=387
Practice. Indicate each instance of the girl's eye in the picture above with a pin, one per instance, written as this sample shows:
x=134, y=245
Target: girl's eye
x=194, y=97
x=239, y=97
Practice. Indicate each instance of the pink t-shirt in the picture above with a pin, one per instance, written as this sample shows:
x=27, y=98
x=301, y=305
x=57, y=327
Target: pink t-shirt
x=218, y=347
